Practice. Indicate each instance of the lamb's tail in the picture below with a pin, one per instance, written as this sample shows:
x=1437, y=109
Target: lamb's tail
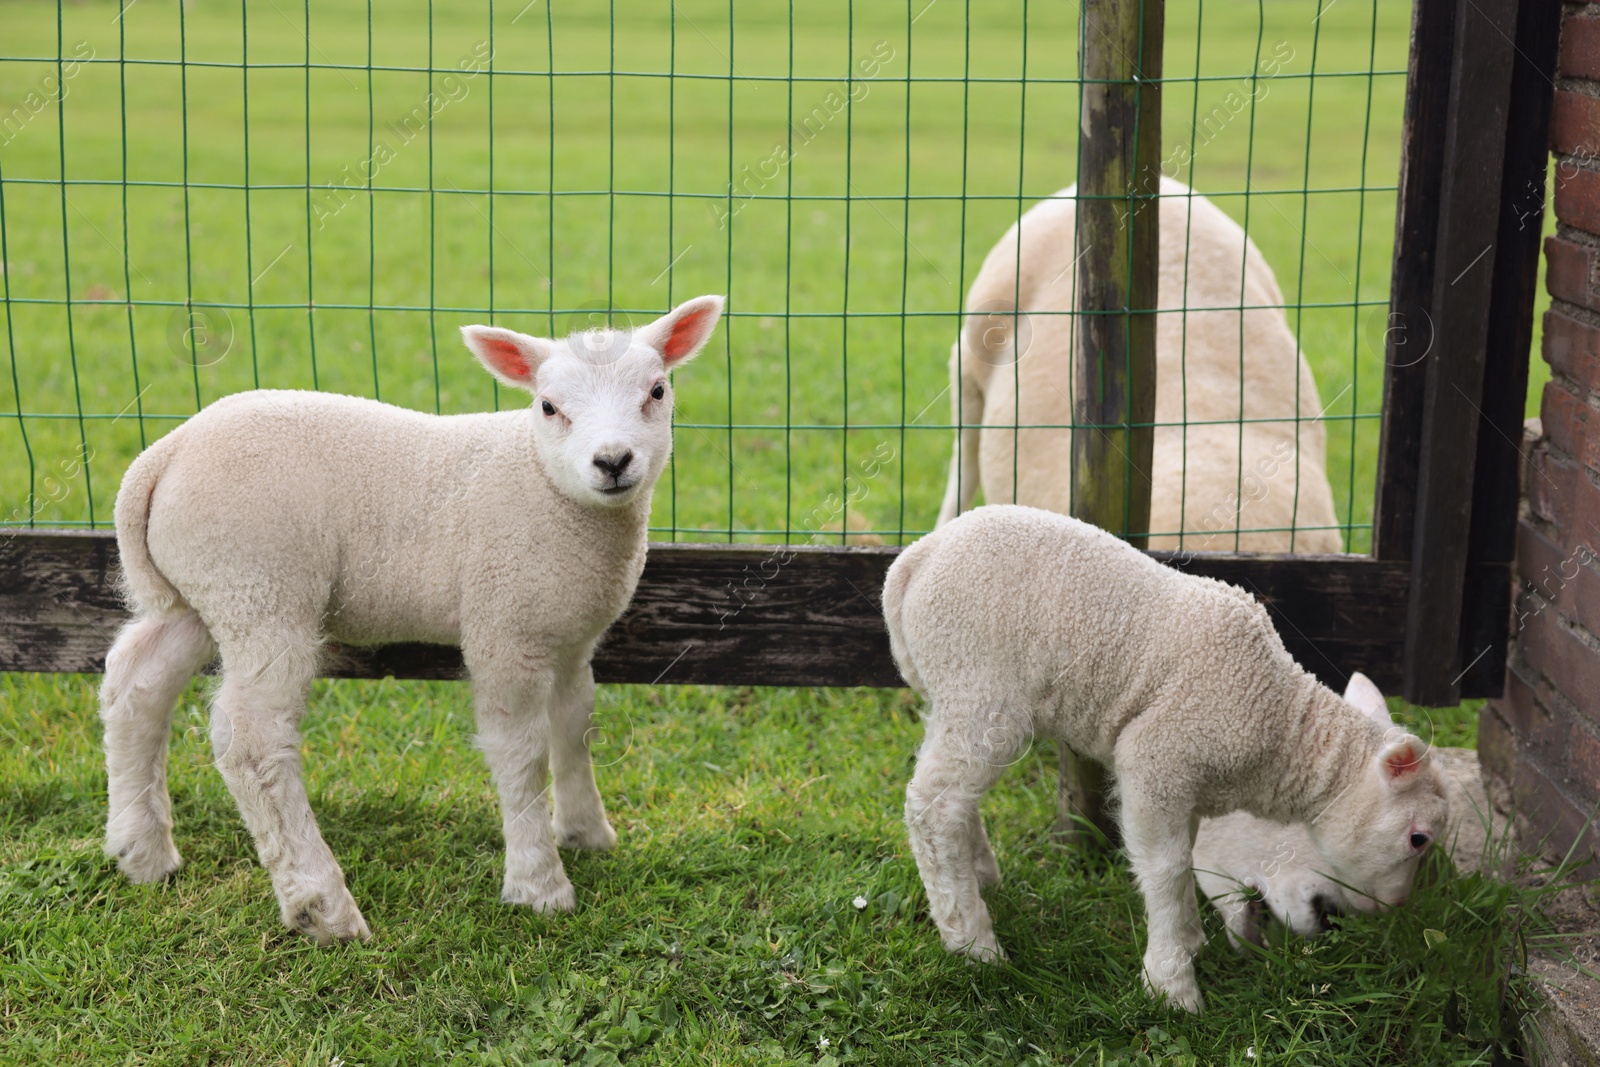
x=145, y=587
x=895, y=584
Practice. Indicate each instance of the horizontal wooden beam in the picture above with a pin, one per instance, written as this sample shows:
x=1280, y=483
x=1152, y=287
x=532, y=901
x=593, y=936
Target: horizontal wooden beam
x=735, y=614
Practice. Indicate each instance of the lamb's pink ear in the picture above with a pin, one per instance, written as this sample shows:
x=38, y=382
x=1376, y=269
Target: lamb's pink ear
x=512, y=357
x=1401, y=763
x=1365, y=697
x=682, y=332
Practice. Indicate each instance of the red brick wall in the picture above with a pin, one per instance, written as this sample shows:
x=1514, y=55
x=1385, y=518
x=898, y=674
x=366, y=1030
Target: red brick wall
x=1542, y=739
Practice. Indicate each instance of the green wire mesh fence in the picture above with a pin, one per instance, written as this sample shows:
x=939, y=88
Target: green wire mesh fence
x=200, y=199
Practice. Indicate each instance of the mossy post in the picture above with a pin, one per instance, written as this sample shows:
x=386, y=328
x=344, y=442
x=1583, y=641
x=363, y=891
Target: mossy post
x=1114, y=369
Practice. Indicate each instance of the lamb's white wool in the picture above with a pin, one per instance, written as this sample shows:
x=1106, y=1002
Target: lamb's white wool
x=273, y=521
x=1251, y=867
x=1016, y=622
x=1015, y=342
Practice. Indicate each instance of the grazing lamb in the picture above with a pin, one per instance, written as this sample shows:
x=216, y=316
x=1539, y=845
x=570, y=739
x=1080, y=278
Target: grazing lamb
x=1015, y=340
x=273, y=521
x=1251, y=867
x=1198, y=486
x=1015, y=622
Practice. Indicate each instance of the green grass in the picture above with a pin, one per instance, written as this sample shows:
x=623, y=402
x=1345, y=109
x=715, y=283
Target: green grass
x=723, y=929
x=787, y=370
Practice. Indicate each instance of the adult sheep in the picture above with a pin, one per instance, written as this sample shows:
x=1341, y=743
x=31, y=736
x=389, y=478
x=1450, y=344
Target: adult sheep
x=273, y=521
x=1223, y=462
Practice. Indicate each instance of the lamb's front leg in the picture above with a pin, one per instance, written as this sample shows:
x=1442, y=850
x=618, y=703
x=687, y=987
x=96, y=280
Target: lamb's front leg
x=580, y=819
x=1160, y=844
x=513, y=732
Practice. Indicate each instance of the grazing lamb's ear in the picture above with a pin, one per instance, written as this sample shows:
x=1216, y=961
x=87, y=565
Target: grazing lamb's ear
x=681, y=332
x=1361, y=694
x=1401, y=763
x=512, y=357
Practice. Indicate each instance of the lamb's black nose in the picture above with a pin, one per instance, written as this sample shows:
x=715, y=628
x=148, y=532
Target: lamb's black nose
x=615, y=463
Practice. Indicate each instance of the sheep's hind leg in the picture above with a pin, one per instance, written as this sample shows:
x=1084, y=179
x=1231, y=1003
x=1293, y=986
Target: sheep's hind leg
x=513, y=732
x=941, y=812
x=580, y=816
x=255, y=734
x=148, y=666
x=983, y=861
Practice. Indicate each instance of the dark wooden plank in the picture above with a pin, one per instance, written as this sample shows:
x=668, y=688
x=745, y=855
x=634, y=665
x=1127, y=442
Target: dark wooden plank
x=1406, y=335
x=1469, y=213
x=754, y=615
x=802, y=616
x=1492, y=537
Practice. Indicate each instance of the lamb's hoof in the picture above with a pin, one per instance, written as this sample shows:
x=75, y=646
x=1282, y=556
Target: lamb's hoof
x=594, y=836
x=327, y=918
x=982, y=949
x=1180, y=992
x=151, y=859
x=548, y=895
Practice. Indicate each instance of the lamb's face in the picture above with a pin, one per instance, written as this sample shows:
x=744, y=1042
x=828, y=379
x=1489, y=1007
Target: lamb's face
x=1375, y=835
x=602, y=401
x=603, y=417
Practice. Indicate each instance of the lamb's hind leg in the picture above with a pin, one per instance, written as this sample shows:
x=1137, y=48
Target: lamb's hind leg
x=941, y=813
x=983, y=861
x=255, y=734
x=148, y=666
x=580, y=817
x=514, y=734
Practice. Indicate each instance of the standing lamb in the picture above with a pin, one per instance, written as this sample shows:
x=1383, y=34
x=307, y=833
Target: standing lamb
x=273, y=521
x=1015, y=622
x=1222, y=461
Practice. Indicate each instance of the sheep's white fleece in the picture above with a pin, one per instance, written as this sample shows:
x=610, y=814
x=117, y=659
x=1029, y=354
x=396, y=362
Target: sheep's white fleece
x=273, y=521
x=1202, y=356
x=1016, y=622
x=263, y=485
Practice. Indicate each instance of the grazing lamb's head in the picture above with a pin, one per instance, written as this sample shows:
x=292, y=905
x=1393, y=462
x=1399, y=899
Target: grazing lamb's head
x=1375, y=834
x=602, y=399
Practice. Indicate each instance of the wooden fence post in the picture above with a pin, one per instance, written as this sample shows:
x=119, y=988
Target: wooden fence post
x=1465, y=264
x=1114, y=367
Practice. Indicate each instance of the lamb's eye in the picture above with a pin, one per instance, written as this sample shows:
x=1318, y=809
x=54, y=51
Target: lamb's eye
x=658, y=392
x=549, y=408
x=1420, y=841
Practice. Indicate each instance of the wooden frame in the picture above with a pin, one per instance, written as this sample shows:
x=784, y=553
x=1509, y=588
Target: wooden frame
x=1467, y=240
x=1427, y=613
x=801, y=616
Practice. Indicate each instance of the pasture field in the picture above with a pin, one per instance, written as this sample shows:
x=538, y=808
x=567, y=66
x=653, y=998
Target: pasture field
x=762, y=905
